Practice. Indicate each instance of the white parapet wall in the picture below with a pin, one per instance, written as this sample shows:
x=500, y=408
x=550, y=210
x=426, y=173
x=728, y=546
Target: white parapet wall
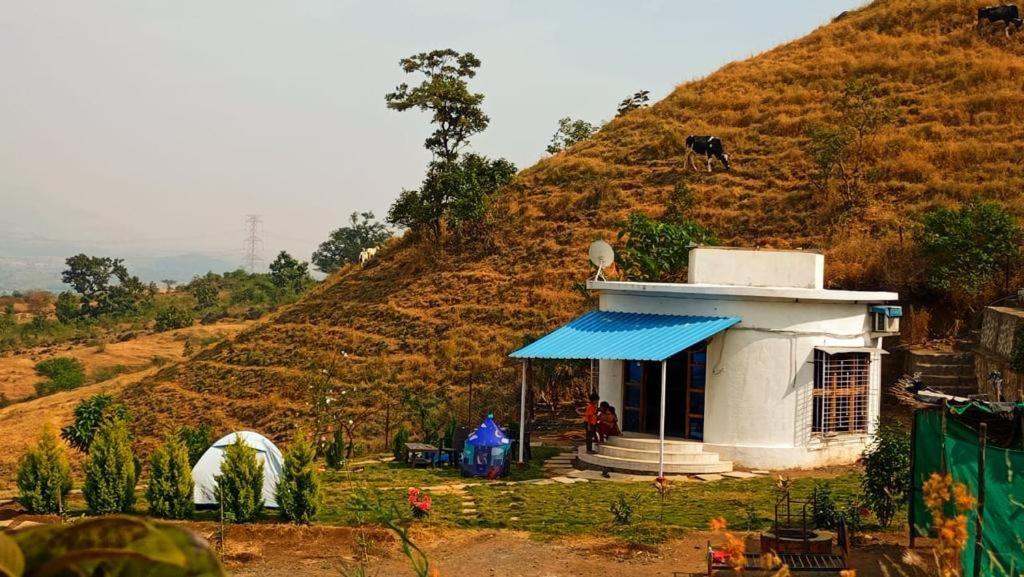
x=757, y=268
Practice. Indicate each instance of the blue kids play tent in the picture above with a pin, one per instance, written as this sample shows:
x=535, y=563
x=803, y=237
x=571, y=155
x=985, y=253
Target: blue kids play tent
x=486, y=451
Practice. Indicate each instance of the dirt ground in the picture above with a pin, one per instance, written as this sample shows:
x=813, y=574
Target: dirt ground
x=18, y=376
x=265, y=550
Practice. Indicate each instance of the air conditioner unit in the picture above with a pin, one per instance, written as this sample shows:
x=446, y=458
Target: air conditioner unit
x=886, y=319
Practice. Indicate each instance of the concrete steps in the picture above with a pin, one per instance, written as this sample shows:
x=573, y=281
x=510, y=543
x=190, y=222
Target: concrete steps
x=951, y=372
x=640, y=455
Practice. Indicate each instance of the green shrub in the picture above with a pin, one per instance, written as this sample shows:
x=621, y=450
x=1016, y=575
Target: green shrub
x=642, y=535
x=335, y=453
x=106, y=373
x=68, y=307
x=196, y=440
x=170, y=490
x=298, y=489
x=173, y=317
x=62, y=373
x=398, y=444
x=240, y=483
x=89, y=415
x=826, y=511
x=887, y=472
x=655, y=250
x=622, y=511
x=44, y=476
x=110, y=470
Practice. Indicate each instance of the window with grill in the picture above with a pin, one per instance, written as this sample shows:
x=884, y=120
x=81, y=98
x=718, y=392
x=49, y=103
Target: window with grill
x=841, y=386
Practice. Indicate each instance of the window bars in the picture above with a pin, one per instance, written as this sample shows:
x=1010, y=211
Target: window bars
x=841, y=386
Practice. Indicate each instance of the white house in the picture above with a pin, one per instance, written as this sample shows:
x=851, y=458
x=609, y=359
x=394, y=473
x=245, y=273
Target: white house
x=752, y=362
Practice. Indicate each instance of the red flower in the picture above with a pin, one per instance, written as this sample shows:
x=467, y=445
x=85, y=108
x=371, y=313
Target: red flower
x=414, y=494
x=719, y=556
x=423, y=504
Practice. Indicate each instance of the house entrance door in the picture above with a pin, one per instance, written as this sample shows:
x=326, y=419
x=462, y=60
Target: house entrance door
x=684, y=395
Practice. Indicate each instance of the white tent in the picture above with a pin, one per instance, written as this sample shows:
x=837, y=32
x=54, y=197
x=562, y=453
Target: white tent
x=208, y=467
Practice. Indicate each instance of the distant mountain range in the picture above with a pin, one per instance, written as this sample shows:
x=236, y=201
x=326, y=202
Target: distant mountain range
x=43, y=272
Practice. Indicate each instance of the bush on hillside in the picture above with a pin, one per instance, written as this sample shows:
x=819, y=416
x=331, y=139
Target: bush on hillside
x=335, y=452
x=111, y=470
x=196, y=440
x=44, y=476
x=966, y=247
x=289, y=274
x=398, y=443
x=89, y=414
x=240, y=483
x=345, y=244
x=67, y=307
x=62, y=373
x=298, y=489
x=655, y=250
x=170, y=489
x=886, y=477
x=172, y=317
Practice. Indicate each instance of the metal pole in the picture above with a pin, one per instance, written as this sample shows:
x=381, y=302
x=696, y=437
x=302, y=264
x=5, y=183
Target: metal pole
x=979, y=548
x=661, y=428
x=911, y=521
x=522, y=417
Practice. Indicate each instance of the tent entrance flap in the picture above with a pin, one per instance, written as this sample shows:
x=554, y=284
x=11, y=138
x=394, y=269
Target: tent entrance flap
x=624, y=336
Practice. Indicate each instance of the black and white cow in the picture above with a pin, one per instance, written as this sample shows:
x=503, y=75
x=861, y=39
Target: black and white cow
x=707, y=146
x=1008, y=14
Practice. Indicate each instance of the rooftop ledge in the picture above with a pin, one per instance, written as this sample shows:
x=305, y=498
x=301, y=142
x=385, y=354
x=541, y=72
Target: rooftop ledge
x=735, y=292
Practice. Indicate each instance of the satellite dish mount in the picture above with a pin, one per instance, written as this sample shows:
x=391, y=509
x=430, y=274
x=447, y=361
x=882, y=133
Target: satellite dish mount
x=601, y=256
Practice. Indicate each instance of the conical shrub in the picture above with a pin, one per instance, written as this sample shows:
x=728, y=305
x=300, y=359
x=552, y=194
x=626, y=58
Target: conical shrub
x=336, y=450
x=240, y=483
x=44, y=476
x=111, y=470
x=170, y=490
x=298, y=489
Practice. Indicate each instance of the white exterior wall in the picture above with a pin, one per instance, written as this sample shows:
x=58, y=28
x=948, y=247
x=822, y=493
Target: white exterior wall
x=762, y=268
x=760, y=376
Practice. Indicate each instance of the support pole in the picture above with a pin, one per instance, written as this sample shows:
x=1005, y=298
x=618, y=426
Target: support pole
x=911, y=500
x=661, y=426
x=979, y=548
x=522, y=418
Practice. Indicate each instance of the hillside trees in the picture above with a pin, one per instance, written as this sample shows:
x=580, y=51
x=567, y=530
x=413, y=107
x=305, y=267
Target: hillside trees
x=89, y=415
x=965, y=248
x=204, y=289
x=289, y=274
x=841, y=151
x=62, y=374
x=637, y=100
x=456, y=189
x=44, y=476
x=344, y=244
x=569, y=133
x=104, y=285
x=658, y=250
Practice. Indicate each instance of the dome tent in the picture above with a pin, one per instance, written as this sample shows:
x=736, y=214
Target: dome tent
x=486, y=451
x=208, y=467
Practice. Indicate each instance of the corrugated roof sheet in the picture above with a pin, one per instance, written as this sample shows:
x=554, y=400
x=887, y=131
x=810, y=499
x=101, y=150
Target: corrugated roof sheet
x=624, y=336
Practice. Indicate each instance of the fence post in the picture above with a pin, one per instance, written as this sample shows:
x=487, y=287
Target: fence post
x=943, y=469
x=979, y=549
x=910, y=493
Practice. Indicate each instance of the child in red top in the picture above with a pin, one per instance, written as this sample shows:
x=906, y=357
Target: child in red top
x=590, y=422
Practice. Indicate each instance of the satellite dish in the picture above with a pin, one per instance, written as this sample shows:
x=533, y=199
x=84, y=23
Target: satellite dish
x=602, y=255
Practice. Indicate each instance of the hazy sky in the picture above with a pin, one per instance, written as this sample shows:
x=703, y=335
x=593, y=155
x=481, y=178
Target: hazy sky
x=153, y=128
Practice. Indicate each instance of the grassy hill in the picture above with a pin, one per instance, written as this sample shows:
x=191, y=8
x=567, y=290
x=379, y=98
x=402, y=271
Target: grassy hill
x=439, y=320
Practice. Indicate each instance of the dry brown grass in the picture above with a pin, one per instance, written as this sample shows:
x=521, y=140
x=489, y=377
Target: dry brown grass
x=444, y=319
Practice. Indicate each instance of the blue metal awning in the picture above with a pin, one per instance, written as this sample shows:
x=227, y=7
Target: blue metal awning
x=624, y=336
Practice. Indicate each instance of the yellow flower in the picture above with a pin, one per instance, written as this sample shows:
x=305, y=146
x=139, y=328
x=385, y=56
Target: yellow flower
x=848, y=573
x=770, y=561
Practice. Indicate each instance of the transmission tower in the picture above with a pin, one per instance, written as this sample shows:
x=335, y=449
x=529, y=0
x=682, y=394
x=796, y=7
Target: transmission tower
x=253, y=244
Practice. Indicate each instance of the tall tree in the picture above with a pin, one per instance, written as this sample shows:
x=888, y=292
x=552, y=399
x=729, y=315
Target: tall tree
x=345, y=244
x=289, y=274
x=104, y=285
x=110, y=470
x=569, y=133
x=444, y=92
